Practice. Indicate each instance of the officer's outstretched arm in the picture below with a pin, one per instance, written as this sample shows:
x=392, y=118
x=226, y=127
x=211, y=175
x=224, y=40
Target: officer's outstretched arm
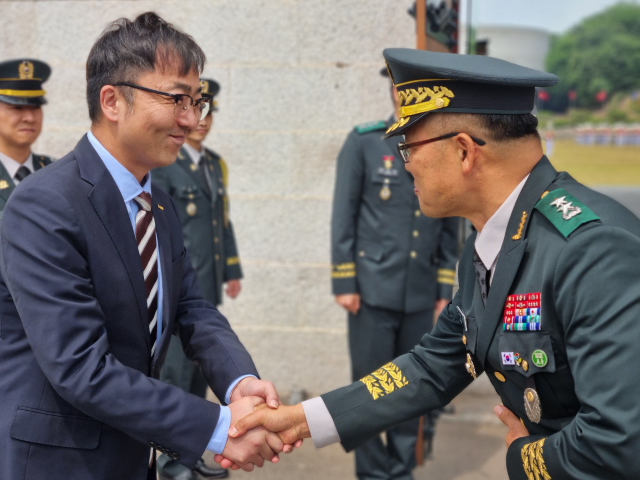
x=596, y=295
x=428, y=377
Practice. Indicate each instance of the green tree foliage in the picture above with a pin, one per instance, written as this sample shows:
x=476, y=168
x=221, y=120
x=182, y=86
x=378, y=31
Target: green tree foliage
x=601, y=53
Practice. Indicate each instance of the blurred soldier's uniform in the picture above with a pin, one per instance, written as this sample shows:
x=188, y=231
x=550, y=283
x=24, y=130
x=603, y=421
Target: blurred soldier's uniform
x=398, y=261
x=197, y=182
x=21, y=98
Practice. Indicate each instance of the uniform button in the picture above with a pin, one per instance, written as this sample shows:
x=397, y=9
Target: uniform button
x=215, y=239
x=500, y=376
x=175, y=456
x=386, y=181
x=361, y=253
x=418, y=213
x=413, y=254
x=191, y=196
x=215, y=222
x=217, y=257
x=416, y=233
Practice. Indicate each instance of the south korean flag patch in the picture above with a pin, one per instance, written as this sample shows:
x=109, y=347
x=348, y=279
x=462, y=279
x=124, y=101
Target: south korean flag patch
x=508, y=358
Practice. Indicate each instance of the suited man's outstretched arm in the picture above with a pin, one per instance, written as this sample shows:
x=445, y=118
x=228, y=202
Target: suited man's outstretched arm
x=45, y=267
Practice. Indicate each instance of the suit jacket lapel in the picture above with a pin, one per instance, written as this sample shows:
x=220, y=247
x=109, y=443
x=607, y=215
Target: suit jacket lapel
x=184, y=160
x=513, y=248
x=6, y=183
x=164, y=245
x=108, y=204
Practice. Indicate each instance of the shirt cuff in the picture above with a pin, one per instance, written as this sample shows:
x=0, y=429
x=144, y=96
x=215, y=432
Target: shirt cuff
x=221, y=433
x=227, y=397
x=321, y=426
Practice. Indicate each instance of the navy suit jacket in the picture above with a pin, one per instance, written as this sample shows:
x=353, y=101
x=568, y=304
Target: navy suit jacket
x=79, y=394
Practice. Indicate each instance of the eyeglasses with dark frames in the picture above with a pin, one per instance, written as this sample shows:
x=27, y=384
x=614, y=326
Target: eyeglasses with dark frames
x=403, y=148
x=183, y=102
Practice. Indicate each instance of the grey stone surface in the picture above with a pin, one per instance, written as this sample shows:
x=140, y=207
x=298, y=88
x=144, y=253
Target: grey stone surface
x=296, y=76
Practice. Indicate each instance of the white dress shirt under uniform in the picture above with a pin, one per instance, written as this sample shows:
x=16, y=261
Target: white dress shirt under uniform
x=12, y=166
x=488, y=243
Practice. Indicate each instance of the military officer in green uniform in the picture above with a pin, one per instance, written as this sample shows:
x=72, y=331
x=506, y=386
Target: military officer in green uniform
x=548, y=304
x=197, y=181
x=391, y=266
x=21, y=100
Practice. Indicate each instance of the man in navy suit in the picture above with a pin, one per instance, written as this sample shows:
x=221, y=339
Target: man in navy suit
x=95, y=278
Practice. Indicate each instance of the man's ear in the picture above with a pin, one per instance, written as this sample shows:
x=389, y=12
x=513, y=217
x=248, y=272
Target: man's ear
x=468, y=152
x=110, y=102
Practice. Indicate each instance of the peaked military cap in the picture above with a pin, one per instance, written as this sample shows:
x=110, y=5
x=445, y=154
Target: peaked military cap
x=21, y=81
x=451, y=83
x=210, y=88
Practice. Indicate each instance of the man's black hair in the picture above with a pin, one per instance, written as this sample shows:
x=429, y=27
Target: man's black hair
x=128, y=48
x=509, y=127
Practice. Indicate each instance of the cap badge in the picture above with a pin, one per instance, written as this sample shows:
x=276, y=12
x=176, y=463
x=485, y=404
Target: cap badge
x=25, y=70
x=204, y=85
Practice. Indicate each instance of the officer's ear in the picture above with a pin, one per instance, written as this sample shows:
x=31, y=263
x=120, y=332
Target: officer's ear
x=467, y=152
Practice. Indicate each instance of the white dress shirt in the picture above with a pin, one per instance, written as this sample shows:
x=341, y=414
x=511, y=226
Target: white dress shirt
x=12, y=165
x=194, y=154
x=488, y=243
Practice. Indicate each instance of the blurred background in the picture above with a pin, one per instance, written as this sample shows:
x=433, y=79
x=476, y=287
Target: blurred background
x=296, y=76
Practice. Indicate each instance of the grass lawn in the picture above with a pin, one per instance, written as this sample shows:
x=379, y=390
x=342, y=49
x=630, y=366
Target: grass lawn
x=598, y=165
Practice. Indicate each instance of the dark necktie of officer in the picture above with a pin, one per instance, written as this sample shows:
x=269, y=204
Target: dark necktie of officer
x=22, y=173
x=146, y=239
x=202, y=165
x=484, y=277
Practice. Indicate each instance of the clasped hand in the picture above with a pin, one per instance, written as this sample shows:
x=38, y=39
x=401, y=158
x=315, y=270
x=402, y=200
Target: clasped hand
x=258, y=444
x=289, y=422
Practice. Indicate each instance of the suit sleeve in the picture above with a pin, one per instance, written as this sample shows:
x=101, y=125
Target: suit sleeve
x=206, y=336
x=344, y=217
x=45, y=267
x=428, y=377
x=596, y=285
x=447, y=257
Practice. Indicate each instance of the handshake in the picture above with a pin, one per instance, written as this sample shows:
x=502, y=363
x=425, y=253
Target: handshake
x=261, y=427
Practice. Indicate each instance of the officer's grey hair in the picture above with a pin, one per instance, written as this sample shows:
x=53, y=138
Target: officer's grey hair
x=127, y=49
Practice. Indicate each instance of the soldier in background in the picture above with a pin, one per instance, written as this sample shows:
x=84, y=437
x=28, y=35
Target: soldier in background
x=21, y=100
x=392, y=267
x=197, y=182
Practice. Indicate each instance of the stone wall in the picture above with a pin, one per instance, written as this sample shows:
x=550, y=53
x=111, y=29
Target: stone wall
x=296, y=75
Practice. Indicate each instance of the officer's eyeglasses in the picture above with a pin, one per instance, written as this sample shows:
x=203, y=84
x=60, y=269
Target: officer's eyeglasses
x=403, y=148
x=183, y=102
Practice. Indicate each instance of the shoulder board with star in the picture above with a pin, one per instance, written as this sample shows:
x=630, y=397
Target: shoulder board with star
x=371, y=126
x=41, y=160
x=564, y=211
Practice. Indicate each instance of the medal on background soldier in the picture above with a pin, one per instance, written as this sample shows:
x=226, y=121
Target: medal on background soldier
x=21, y=115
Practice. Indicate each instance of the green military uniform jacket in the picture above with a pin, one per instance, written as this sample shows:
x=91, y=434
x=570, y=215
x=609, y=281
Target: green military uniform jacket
x=7, y=185
x=382, y=246
x=204, y=214
x=586, y=273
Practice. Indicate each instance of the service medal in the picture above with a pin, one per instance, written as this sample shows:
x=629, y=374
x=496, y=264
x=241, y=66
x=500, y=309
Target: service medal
x=191, y=209
x=532, y=405
x=385, y=193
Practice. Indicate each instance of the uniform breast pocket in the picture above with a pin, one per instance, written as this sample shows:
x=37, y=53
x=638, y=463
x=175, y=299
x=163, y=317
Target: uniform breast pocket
x=527, y=352
x=190, y=200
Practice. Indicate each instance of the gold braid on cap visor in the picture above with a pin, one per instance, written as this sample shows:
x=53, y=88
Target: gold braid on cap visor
x=419, y=100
